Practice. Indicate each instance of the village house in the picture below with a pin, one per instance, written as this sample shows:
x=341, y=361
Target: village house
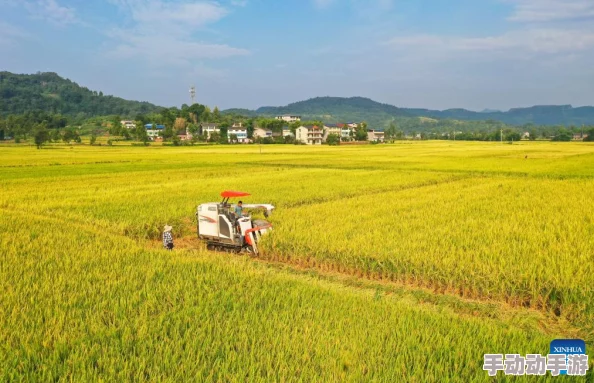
x=331, y=129
x=344, y=131
x=310, y=135
x=347, y=133
x=262, y=133
x=287, y=132
x=152, y=131
x=375, y=135
x=289, y=118
x=128, y=124
x=184, y=135
x=210, y=128
x=240, y=133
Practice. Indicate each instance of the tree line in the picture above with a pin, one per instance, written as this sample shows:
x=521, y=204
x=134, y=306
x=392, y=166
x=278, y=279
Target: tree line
x=45, y=126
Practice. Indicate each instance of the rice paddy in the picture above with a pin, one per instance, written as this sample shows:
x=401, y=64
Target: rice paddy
x=402, y=262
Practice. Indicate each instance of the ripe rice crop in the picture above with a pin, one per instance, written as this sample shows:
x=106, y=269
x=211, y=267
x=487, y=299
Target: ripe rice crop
x=402, y=262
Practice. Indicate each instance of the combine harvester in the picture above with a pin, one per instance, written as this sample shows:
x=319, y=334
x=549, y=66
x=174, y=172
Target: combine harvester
x=223, y=230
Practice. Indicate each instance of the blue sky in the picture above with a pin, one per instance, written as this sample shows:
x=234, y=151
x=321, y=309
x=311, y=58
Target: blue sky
x=249, y=53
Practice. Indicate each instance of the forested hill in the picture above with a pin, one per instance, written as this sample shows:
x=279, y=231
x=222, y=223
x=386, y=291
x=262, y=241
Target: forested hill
x=332, y=109
x=21, y=93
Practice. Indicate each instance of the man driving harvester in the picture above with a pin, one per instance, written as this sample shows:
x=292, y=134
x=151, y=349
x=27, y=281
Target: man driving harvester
x=239, y=209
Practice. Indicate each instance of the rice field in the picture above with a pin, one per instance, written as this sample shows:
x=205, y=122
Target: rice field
x=402, y=262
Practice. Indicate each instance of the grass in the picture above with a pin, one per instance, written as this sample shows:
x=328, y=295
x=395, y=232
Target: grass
x=387, y=263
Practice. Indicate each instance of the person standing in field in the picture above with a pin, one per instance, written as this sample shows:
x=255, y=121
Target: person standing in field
x=167, y=237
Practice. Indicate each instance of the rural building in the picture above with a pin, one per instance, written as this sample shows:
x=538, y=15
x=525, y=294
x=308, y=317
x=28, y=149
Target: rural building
x=262, y=133
x=240, y=133
x=210, y=128
x=289, y=118
x=347, y=133
x=237, y=125
x=152, y=130
x=287, y=132
x=331, y=129
x=310, y=135
x=128, y=124
x=344, y=131
x=375, y=135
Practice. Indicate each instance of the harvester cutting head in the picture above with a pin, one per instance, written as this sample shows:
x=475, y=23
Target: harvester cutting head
x=227, y=227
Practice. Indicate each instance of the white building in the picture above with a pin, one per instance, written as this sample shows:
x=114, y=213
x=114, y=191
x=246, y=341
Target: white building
x=240, y=133
x=375, y=135
x=128, y=124
x=347, y=133
x=210, y=128
x=310, y=135
x=287, y=132
x=262, y=133
x=344, y=131
x=152, y=131
x=289, y=118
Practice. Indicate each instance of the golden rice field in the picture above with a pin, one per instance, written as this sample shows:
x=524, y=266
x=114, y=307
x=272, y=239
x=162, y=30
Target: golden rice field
x=402, y=262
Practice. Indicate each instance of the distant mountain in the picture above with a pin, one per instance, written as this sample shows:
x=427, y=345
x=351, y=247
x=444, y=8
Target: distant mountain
x=20, y=93
x=333, y=109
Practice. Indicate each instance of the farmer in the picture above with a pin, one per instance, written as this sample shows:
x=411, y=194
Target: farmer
x=239, y=209
x=167, y=237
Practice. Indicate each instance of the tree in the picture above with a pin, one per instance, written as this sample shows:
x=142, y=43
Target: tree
x=334, y=139
x=215, y=137
x=361, y=132
x=216, y=114
x=93, y=139
x=194, y=129
x=233, y=138
x=139, y=130
x=116, y=126
x=167, y=133
x=563, y=135
x=391, y=132
x=56, y=136
x=589, y=135
x=513, y=136
x=41, y=135
x=70, y=135
x=125, y=132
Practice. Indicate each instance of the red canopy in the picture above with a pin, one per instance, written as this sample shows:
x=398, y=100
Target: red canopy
x=231, y=193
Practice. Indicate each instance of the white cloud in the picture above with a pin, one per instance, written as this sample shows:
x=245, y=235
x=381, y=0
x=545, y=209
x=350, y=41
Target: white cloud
x=187, y=13
x=551, y=10
x=52, y=11
x=322, y=3
x=164, y=33
x=357, y=5
x=543, y=40
x=10, y=34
